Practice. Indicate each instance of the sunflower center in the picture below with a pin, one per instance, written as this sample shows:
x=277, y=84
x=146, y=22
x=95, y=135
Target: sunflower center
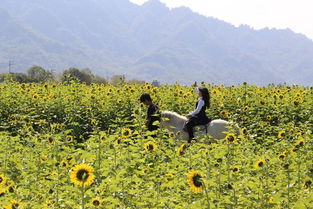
x=281, y=156
x=82, y=175
x=96, y=202
x=260, y=164
x=50, y=140
x=15, y=206
x=308, y=183
x=1, y=179
x=231, y=138
x=197, y=180
x=150, y=147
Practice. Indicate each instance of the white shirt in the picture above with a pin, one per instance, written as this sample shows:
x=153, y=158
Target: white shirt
x=201, y=103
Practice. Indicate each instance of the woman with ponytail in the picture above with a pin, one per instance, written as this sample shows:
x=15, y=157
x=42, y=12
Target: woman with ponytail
x=198, y=116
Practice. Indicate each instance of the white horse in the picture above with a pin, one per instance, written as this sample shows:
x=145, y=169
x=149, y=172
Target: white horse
x=217, y=128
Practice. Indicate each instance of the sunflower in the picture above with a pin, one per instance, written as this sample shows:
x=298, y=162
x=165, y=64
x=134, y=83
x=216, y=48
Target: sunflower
x=126, y=132
x=239, y=100
x=96, y=202
x=64, y=164
x=14, y=204
x=244, y=131
x=102, y=135
x=30, y=129
x=150, y=146
x=262, y=103
x=35, y=96
x=49, y=138
x=181, y=149
x=281, y=134
x=48, y=203
x=171, y=135
x=271, y=200
x=236, y=169
x=170, y=175
x=246, y=108
x=296, y=102
x=260, y=163
x=307, y=184
x=291, y=131
x=244, y=117
x=300, y=143
x=3, y=179
x=118, y=140
x=224, y=113
x=282, y=156
x=82, y=175
x=231, y=138
x=43, y=157
x=3, y=191
x=69, y=138
x=195, y=181
x=269, y=117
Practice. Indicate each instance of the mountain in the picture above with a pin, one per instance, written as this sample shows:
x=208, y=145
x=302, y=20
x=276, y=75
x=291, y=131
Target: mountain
x=150, y=42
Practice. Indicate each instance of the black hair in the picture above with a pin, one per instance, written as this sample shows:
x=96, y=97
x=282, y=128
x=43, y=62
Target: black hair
x=206, y=96
x=145, y=97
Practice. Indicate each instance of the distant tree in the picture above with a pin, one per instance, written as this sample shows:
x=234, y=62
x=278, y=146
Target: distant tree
x=118, y=79
x=135, y=81
x=21, y=78
x=99, y=80
x=18, y=77
x=39, y=74
x=77, y=75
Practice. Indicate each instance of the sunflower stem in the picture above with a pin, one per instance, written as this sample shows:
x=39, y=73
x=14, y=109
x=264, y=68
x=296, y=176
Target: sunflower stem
x=83, y=197
x=207, y=195
x=228, y=163
x=115, y=158
x=299, y=176
x=219, y=183
x=288, y=187
x=189, y=155
x=57, y=187
x=99, y=157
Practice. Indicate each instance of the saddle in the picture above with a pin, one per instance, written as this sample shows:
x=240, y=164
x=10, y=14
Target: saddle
x=203, y=128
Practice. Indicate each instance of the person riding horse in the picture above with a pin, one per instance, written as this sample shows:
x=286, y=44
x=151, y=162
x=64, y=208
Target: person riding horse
x=198, y=116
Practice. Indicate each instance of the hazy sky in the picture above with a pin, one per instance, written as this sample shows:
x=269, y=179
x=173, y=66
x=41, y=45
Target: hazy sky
x=294, y=14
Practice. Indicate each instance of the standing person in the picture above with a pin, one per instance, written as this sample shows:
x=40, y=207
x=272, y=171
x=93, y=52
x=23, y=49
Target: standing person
x=198, y=116
x=152, y=112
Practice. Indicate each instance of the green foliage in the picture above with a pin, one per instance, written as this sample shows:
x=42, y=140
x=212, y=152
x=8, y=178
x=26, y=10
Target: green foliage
x=47, y=129
x=77, y=75
x=39, y=74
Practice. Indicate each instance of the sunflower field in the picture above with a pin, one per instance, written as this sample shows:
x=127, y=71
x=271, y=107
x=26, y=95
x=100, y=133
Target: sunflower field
x=86, y=146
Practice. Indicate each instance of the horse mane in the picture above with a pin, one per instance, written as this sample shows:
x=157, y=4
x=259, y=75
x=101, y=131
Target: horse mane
x=171, y=115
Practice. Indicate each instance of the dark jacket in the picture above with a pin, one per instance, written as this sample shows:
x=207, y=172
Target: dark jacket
x=153, y=115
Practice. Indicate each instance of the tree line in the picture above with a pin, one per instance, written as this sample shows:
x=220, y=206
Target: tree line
x=37, y=74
